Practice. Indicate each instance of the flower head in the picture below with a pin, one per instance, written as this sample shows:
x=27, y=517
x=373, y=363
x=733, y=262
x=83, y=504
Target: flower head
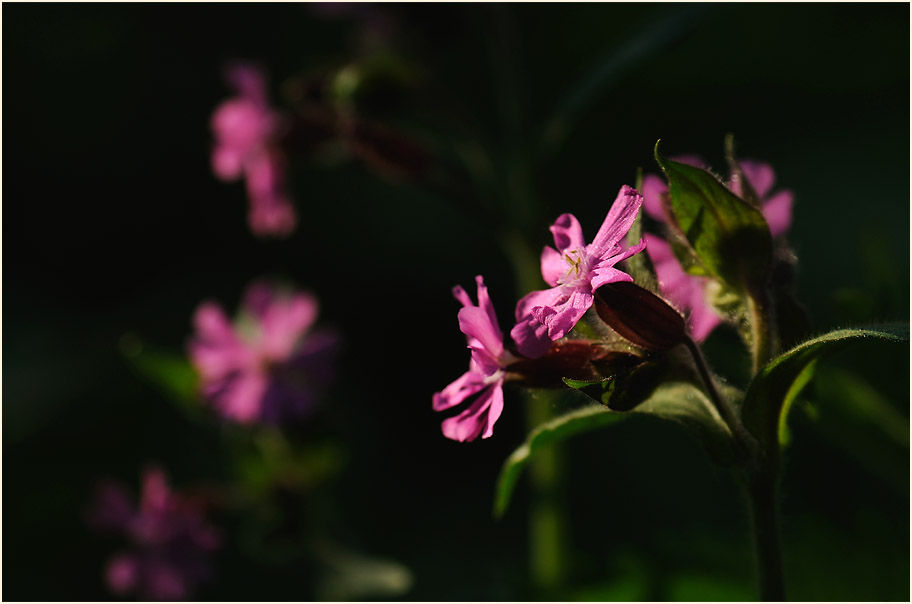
x=170, y=541
x=267, y=365
x=575, y=270
x=486, y=372
x=246, y=132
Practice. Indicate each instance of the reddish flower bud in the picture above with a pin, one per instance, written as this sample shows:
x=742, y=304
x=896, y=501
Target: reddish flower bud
x=639, y=316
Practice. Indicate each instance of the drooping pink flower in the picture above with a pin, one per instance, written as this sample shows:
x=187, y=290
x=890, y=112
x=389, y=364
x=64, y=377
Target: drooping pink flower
x=269, y=365
x=685, y=291
x=170, y=540
x=246, y=131
x=575, y=270
x=486, y=372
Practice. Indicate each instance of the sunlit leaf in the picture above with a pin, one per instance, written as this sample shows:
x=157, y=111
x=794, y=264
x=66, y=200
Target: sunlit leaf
x=770, y=394
x=731, y=237
x=170, y=373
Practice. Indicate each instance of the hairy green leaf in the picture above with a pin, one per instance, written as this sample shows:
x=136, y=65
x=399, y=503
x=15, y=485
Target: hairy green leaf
x=679, y=402
x=773, y=389
x=730, y=236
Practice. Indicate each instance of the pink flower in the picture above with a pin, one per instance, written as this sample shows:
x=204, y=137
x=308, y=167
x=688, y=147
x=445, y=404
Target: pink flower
x=777, y=208
x=575, y=270
x=486, y=372
x=246, y=133
x=169, y=537
x=268, y=365
x=686, y=292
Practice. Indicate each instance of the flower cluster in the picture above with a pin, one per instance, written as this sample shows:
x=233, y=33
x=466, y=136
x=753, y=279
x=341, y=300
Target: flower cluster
x=170, y=540
x=268, y=365
x=247, y=131
x=574, y=270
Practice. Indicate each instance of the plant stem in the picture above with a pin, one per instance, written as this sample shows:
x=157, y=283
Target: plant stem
x=761, y=338
x=547, y=522
x=726, y=410
x=764, y=503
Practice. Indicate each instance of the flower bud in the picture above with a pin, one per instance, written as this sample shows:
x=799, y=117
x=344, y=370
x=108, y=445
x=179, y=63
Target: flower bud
x=639, y=316
x=572, y=359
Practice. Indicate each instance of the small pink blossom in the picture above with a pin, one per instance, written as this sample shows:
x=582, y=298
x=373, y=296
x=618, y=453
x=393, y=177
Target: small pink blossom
x=269, y=364
x=246, y=131
x=485, y=376
x=170, y=541
x=575, y=270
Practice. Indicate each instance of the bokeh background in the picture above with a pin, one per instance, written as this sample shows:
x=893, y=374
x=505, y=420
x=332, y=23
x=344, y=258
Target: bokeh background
x=115, y=225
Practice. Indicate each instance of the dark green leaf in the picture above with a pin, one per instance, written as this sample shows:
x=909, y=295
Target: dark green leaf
x=776, y=386
x=731, y=237
x=679, y=402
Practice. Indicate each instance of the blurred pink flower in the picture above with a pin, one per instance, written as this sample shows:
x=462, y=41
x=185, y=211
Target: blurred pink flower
x=269, y=365
x=575, y=270
x=169, y=537
x=246, y=131
x=486, y=370
x=777, y=208
x=685, y=291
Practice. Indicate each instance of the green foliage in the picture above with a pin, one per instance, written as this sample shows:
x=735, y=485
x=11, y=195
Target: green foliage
x=773, y=390
x=679, y=402
x=731, y=237
x=171, y=374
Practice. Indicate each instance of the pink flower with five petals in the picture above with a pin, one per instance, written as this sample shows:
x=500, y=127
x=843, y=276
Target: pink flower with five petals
x=575, y=270
x=269, y=364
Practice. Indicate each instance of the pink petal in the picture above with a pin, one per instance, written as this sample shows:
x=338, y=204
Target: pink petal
x=544, y=297
x=568, y=234
x=460, y=389
x=553, y=265
x=703, y=319
x=461, y=296
x=778, y=212
x=478, y=419
x=654, y=190
x=242, y=399
x=271, y=211
x=155, y=491
x=531, y=337
x=212, y=325
x=476, y=323
x=760, y=175
x=248, y=80
x=619, y=220
x=484, y=303
x=122, y=573
x=285, y=321
x=561, y=318
x=227, y=163
x=604, y=271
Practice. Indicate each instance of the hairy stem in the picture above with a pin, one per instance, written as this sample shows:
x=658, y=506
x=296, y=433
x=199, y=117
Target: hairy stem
x=761, y=336
x=764, y=504
x=723, y=405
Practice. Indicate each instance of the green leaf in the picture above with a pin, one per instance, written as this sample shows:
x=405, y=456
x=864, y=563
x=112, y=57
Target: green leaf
x=170, y=373
x=772, y=391
x=679, y=402
x=731, y=237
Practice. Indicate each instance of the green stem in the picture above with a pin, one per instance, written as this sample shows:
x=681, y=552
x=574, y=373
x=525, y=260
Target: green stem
x=547, y=522
x=764, y=503
x=761, y=337
x=726, y=410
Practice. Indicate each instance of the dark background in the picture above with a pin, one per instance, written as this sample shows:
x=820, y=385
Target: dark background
x=114, y=224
